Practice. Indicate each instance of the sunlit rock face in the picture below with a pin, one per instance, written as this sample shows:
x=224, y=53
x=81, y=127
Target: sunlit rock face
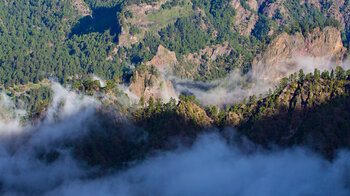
x=289, y=53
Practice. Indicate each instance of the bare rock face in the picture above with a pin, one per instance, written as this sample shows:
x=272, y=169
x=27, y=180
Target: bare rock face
x=140, y=20
x=192, y=112
x=272, y=9
x=152, y=83
x=340, y=11
x=2, y=23
x=81, y=7
x=245, y=19
x=211, y=53
x=320, y=43
x=326, y=42
x=164, y=60
x=191, y=63
x=148, y=85
x=285, y=53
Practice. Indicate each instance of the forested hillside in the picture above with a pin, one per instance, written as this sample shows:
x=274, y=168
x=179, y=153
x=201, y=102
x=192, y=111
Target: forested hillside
x=141, y=97
x=310, y=110
x=41, y=39
x=69, y=40
x=305, y=109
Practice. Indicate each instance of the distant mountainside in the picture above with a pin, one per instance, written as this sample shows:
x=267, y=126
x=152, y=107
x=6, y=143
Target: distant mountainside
x=147, y=50
x=310, y=110
x=305, y=109
x=70, y=40
x=174, y=97
x=245, y=36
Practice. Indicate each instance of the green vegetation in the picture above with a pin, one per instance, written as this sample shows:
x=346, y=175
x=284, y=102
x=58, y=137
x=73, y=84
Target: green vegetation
x=303, y=106
x=185, y=36
x=41, y=39
x=37, y=42
x=168, y=14
x=286, y=116
x=34, y=100
x=191, y=34
x=312, y=17
x=221, y=15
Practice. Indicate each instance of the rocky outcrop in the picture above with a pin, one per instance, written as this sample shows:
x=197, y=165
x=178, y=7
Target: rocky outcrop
x=147, y=84
x=81, y=7
x=281, y=56
x=192, y=112
x=2, y=23
x=209, y=53
x=164, y=60
x=340, y=10
x=140, y=20
x=192, y=62
x=245, y=19
x=318, y=44
x=150, y=82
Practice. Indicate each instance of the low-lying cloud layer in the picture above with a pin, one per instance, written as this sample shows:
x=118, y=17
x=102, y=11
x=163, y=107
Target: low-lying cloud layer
x=259, y=80
x=212, y=166
x=22, y=170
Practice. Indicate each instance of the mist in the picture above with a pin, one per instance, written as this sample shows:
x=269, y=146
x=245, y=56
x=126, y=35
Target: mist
x=22, y=170
x=102, y=82
x=216, y=164
x=235, y=87
x=214, y=167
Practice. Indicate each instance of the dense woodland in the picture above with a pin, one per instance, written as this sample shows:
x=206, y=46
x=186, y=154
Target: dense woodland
x=41, y=39
x=44, y=39
x=304, y=109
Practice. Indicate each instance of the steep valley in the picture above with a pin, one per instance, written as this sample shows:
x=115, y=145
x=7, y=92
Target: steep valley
x=174, y=97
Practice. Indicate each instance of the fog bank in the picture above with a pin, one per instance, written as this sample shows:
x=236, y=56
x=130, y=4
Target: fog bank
x=212, y=167
x=235, y=87
x=36, y=160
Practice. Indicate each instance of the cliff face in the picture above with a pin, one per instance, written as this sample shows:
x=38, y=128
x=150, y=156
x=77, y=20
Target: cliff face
x=192, y=112
x=326, y=42
x=149, y=82
x=146, y=85
x=245, y=19
x=283, y=55
x=137, y=19
x=280, y=13
x=81, y=7
x=338, y=9
x=164, y=60
x=192, y=63
x=149, y=18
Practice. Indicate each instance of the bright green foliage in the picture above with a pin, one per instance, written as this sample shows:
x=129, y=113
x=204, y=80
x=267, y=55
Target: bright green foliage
x=312, y=17
x=185, y=36
x=45, y=38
